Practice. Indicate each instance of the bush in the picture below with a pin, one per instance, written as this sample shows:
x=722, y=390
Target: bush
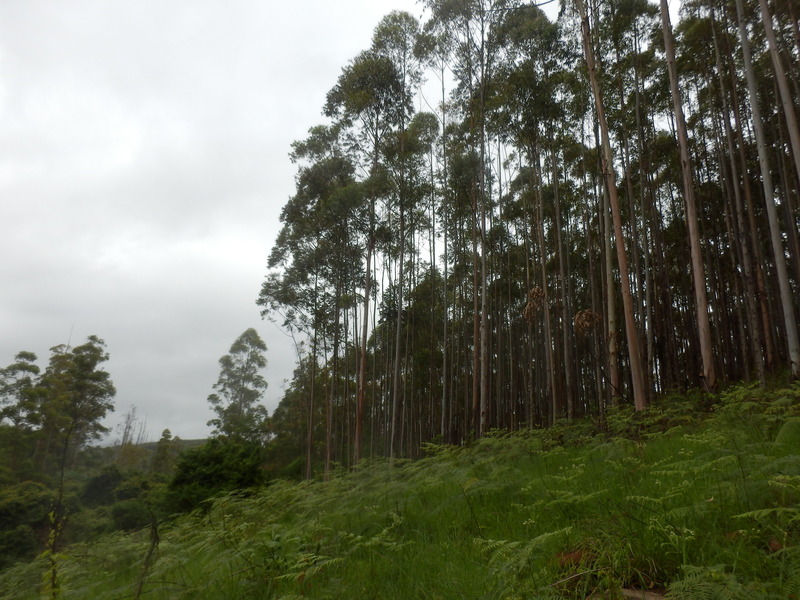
x=217, y=466
x=99, y=490
x=23, y=512
x=131, y=514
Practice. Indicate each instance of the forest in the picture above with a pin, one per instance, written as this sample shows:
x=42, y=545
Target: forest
x=506, y=221
x=516, y=247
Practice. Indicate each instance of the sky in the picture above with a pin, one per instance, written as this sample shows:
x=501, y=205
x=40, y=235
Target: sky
x=143, y=167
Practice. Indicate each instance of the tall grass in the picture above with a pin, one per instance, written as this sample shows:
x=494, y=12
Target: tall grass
x=697, y=498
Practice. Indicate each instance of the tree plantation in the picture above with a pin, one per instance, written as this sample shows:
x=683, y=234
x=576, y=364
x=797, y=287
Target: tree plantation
x=542, y=278
x=507, y=221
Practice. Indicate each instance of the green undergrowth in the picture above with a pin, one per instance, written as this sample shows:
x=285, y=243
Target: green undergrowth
x=697, y=498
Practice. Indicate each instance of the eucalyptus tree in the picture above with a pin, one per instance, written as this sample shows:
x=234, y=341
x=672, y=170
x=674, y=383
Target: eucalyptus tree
x=72, y=396
x=778, y=252
x=794, y=137
x=534, y=91
x=396, y=38
x=18, y=413
x=698, y=267
x=640, y=395
x=434, y=49
x=239, y=389
x=16, y=384
x=631, y=79
x=470, y=23
x=406, y=156
x=370, y=99
x=741, y=241
x=318, y=250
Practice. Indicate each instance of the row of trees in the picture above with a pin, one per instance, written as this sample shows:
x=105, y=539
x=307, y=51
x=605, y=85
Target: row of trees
x=47, y=417
x=594, y=211
x=57, y=488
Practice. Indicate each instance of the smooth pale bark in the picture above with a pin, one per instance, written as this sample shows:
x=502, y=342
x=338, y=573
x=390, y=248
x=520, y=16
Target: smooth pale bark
x=476, y=322
x=751, y=301
x=794, y=139
x=783, y=84
x=765, y=316
x=566, y=302
x=612, y=341
x=484, y=325
x=698, y=269
x=632, y=337
x=310, y=423
x=554, y=408
x=446, y=414
x=772, y=213
x=656, y=377
x=397, y=340
x=362, y=359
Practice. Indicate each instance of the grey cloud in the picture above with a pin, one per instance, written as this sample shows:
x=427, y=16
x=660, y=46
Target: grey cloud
x=143, y=167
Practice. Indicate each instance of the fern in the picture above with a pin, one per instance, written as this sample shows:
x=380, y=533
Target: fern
x=713, y=583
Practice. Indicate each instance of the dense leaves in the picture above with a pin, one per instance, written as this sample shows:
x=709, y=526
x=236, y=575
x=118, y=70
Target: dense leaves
x=239, y=389
x=549, y=169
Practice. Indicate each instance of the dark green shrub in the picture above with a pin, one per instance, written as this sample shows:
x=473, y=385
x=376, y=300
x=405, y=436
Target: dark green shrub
x=99, y=490
x=23, y=518
x=131, y=514
x=218, y=466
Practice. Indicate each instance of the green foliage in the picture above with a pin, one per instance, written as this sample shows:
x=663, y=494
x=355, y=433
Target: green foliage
x=706, y=509
x=218, y=466
x=131, y=514
x=99, y=490
x=165, y=455
x=23, y=519
x=16, y=383
x=239, y=390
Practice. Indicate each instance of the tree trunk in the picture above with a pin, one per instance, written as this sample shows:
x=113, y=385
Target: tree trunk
x=698, y=270
x=751, y=300
x=637, y=376
x=766, y=179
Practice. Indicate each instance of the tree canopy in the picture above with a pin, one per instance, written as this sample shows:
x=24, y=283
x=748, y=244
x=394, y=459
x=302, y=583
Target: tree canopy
x=576, y=225
x=239, y=389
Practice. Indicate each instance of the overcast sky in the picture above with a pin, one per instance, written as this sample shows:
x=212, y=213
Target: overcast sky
x=143, y=167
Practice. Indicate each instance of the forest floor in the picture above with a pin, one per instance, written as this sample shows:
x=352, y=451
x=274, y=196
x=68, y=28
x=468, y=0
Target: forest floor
x=696, y=498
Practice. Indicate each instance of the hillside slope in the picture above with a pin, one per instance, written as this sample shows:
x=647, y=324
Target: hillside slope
x=696, y=498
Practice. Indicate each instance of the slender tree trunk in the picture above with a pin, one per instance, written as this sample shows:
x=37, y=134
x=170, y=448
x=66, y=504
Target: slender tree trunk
x=554, y=406
x=766, y=179
x=637, y=376
x=484, y=324
x=783, y=86
x=446, y=414
x=362, y=360
x=396, y=393
x=566, y=303
x=698, y=269
x=751, y=301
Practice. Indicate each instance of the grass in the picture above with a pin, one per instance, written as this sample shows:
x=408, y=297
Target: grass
x=698, y=497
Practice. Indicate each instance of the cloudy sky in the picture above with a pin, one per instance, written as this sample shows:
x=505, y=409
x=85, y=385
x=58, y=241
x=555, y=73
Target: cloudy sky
x=143, y=167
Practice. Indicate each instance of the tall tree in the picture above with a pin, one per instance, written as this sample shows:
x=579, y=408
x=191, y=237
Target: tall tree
x=73, y=395
x=396, y=38
x=370, y=93
x=789, y=115
x=16, y=384
x=698, y=268
x=769, y=199
x=640, y=396
x=239, y=389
